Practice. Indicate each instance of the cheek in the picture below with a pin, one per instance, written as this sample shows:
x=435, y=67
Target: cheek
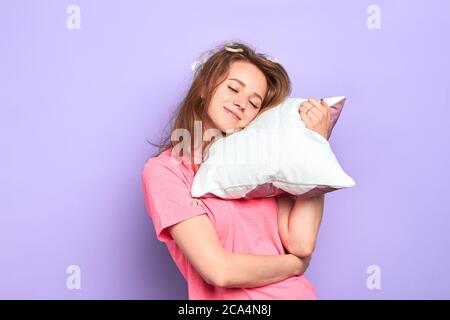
x=252, y=114
x=225, y=95
x=215, y=107
x=219, y=98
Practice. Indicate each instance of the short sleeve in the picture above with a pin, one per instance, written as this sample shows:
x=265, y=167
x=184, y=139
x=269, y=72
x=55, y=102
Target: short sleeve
x=167, y=197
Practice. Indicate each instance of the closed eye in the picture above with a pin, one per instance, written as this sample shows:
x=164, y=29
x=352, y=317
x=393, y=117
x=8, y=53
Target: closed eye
x=238, y=91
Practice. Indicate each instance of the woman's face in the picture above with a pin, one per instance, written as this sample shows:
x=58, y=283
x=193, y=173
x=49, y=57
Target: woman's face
x=241, y=93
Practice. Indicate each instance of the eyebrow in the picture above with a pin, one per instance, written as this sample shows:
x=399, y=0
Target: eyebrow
x=243, y=84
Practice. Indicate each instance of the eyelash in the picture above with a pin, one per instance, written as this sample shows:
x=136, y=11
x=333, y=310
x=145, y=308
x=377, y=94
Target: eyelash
x=250, y=101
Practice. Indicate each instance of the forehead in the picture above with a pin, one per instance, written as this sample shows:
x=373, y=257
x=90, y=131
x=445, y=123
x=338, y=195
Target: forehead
x=248, y=73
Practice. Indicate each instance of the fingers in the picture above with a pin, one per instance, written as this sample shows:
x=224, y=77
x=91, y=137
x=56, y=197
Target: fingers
x=327, y=108
x=310, y=110
x=318, y=105
x=304, y=113
x=315, y=112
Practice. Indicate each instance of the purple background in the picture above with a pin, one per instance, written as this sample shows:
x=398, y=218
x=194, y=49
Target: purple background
x=76, y=108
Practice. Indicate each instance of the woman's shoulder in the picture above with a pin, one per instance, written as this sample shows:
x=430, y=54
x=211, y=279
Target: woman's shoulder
x=161, y=160
x=162, y=157
x=163, y=164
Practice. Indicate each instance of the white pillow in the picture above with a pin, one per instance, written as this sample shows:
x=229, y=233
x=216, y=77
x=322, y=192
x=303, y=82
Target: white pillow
x=275, y=153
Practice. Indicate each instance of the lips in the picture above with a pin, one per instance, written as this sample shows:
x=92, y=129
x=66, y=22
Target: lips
x=233, y=113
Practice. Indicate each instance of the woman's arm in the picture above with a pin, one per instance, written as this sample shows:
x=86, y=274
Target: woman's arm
x=285, y=202
x=198, y=240
x=299, y=222
x=299, y=218
x=253, y=270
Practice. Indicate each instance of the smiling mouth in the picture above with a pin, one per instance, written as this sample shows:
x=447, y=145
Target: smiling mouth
x=231, y=112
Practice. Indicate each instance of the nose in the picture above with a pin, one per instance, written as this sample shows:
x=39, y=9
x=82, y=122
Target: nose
x=238, y=102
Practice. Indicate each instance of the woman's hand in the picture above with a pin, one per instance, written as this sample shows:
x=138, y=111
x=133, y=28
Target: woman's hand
x=316, y=116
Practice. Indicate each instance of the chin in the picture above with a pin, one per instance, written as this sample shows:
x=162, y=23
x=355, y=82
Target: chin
x=230, y=130
x=223, y=127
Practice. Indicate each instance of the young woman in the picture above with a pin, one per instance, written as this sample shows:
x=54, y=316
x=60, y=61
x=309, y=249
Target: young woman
x=244, y=248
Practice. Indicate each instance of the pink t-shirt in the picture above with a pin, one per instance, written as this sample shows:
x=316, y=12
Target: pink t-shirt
x=242, y=225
